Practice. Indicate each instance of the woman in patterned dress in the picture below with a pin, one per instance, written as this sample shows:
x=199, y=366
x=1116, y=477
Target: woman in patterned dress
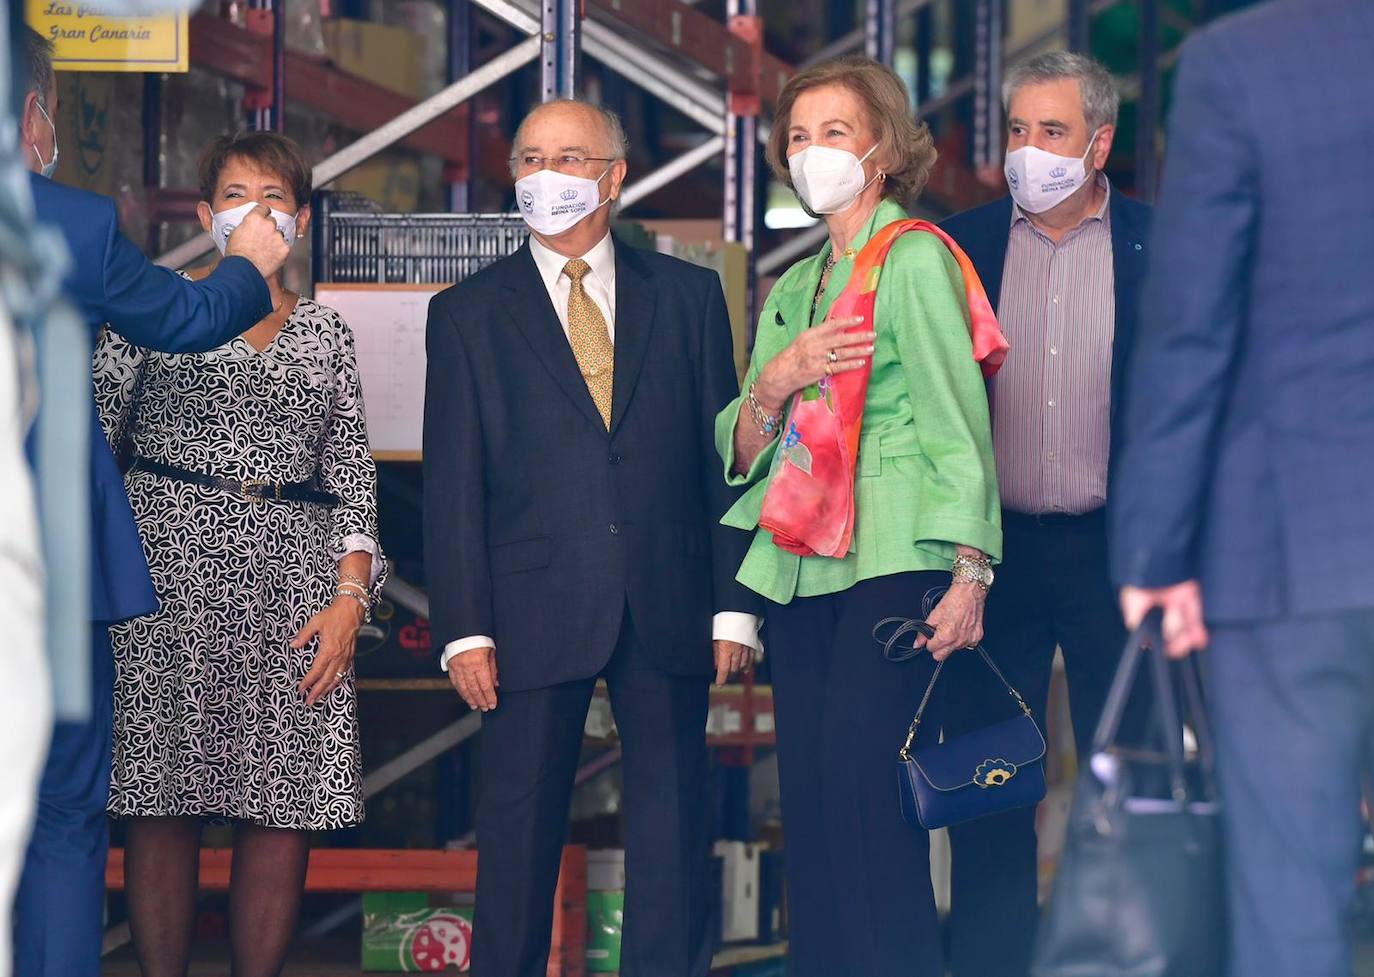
x=255, y=493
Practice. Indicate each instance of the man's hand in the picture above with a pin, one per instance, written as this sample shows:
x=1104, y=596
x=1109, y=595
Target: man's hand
x=731, y=657
x=258, y=239
x=473, y=674
x=1184, y=628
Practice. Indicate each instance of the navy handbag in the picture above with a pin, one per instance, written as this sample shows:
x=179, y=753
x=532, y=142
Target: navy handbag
x=994, y=769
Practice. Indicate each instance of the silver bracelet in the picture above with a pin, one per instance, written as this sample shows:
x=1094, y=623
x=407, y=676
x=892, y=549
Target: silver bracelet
x=974, y=570
x=367, y=607
x=345, y=577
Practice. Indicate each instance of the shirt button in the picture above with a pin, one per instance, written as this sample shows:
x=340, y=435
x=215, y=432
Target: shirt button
x=614, y=459
x=1051, y=403
x=614, y=529
x=1056, y=300
x=1050, y=455
x=1054, y=350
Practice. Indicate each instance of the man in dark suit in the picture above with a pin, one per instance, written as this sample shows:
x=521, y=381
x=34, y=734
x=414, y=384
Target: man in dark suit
x=1062, y=260
x=572, y=507
x=59, y=907
x=1243, y=503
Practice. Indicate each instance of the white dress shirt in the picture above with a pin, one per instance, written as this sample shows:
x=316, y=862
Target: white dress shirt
x=599, y=284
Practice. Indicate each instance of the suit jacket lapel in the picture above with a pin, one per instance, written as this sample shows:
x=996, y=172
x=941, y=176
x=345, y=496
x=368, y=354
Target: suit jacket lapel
x=528, y=305
x=1128, y=268
x=989, y=254
x=635, y=301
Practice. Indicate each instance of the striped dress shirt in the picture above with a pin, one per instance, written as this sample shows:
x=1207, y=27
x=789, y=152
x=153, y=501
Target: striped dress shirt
x=1051, y=401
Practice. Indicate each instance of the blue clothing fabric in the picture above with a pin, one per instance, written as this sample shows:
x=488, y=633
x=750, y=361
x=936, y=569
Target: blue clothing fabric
x=1249, y=450
x=59, y=914
x=113, y=282
x=1249, y=431
x=59, y=910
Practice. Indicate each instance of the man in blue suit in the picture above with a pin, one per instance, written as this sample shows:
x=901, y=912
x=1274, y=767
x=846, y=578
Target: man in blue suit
x=1062, y=259
x=1242, y=505
x=59, y=906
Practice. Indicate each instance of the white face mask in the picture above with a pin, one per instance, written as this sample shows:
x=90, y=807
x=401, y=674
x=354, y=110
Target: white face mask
x=50, y=167
x=1040, y=180
x=223, y=224
x=828, y=180
x=552, y=202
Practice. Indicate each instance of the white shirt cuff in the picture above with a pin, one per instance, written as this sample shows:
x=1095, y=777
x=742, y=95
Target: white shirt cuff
x=454, y=648
x=362, y=543
x=726, y=626
x=738, y=627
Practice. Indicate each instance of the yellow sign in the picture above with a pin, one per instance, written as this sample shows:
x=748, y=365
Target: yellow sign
x=87, y=39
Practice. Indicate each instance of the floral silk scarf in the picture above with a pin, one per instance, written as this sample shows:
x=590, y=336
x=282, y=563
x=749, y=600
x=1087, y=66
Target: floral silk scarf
x=809, y=503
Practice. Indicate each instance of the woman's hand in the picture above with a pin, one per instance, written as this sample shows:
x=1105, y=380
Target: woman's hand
x=337, y=628
x=808, y=360
x=957, y=620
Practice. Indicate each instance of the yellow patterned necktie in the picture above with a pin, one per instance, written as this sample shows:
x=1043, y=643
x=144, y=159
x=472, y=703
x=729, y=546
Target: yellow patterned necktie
x=591, y=340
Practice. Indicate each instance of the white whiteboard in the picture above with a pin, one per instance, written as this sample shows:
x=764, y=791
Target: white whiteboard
x=388, y=323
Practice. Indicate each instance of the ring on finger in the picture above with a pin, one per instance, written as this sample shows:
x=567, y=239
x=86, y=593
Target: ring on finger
x=833, y=356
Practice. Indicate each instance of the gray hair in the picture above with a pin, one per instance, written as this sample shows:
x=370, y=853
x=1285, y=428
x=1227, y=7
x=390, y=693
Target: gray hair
x=38, y=54
x=1101, y=100
x=618, y=144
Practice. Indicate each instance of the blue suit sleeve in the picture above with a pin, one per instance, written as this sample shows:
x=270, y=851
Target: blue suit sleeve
x=1191, y=326
x=156, y=308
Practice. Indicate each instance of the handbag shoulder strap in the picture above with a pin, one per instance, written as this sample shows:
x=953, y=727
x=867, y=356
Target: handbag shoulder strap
x=892, y=653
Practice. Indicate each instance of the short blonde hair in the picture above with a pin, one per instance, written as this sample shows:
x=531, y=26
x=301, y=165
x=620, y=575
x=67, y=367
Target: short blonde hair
x=903, y=143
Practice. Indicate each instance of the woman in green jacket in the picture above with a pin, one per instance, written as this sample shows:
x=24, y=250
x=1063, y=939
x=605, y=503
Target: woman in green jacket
x=926, y=518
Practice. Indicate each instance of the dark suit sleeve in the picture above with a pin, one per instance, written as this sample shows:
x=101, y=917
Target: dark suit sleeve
x=455, y=490
x=1192, y=318
x=158, y=309
x=719, y=386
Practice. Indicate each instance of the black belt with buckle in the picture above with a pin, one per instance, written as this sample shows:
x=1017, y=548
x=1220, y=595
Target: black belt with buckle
x=252, y=488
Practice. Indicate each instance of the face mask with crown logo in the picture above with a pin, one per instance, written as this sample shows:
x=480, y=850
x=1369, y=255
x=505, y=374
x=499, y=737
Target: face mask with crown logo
x=553, y=202
x=1040, y=180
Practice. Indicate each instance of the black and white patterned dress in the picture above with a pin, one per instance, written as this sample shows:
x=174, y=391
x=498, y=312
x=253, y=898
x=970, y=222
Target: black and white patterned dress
x=208, y=719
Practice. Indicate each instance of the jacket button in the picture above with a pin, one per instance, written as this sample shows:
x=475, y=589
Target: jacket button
x=614, y=529
x=615, y=458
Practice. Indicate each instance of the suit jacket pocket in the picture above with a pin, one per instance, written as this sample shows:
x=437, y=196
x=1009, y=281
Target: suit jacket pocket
x=524, y=554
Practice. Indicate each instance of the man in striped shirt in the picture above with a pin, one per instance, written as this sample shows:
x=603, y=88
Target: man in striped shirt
x=1062, y=259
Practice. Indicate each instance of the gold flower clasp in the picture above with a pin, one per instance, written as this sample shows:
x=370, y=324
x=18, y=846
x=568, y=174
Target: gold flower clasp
x=993, y=773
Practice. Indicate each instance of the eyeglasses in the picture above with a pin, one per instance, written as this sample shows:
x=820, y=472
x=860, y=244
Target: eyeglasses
x=563, y=163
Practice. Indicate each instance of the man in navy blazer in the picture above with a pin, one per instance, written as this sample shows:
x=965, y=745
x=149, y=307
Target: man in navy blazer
x=572, y=531
x=1243, y=503
x=1062, y=259
x=59, y=907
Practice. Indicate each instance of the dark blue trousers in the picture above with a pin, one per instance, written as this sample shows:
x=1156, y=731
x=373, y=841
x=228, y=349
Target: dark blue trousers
x=60, y=907
x=1052, y=590
x=859, y=897
x=1293, y=706
x=530, y=747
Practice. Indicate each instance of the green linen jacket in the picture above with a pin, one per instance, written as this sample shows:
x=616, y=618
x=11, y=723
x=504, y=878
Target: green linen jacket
x=926, y=476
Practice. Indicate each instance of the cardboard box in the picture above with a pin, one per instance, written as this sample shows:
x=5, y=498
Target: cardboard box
x=739, y=891
x=392, y=57
x=403, y=932
x=605, y=923
x=606, y=870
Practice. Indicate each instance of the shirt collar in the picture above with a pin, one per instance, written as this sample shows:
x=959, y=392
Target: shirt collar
x=1018, y=215
x=601, y=259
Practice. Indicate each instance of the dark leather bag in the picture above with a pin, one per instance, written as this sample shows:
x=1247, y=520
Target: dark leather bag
x=994, y=769
x=1140, y=889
